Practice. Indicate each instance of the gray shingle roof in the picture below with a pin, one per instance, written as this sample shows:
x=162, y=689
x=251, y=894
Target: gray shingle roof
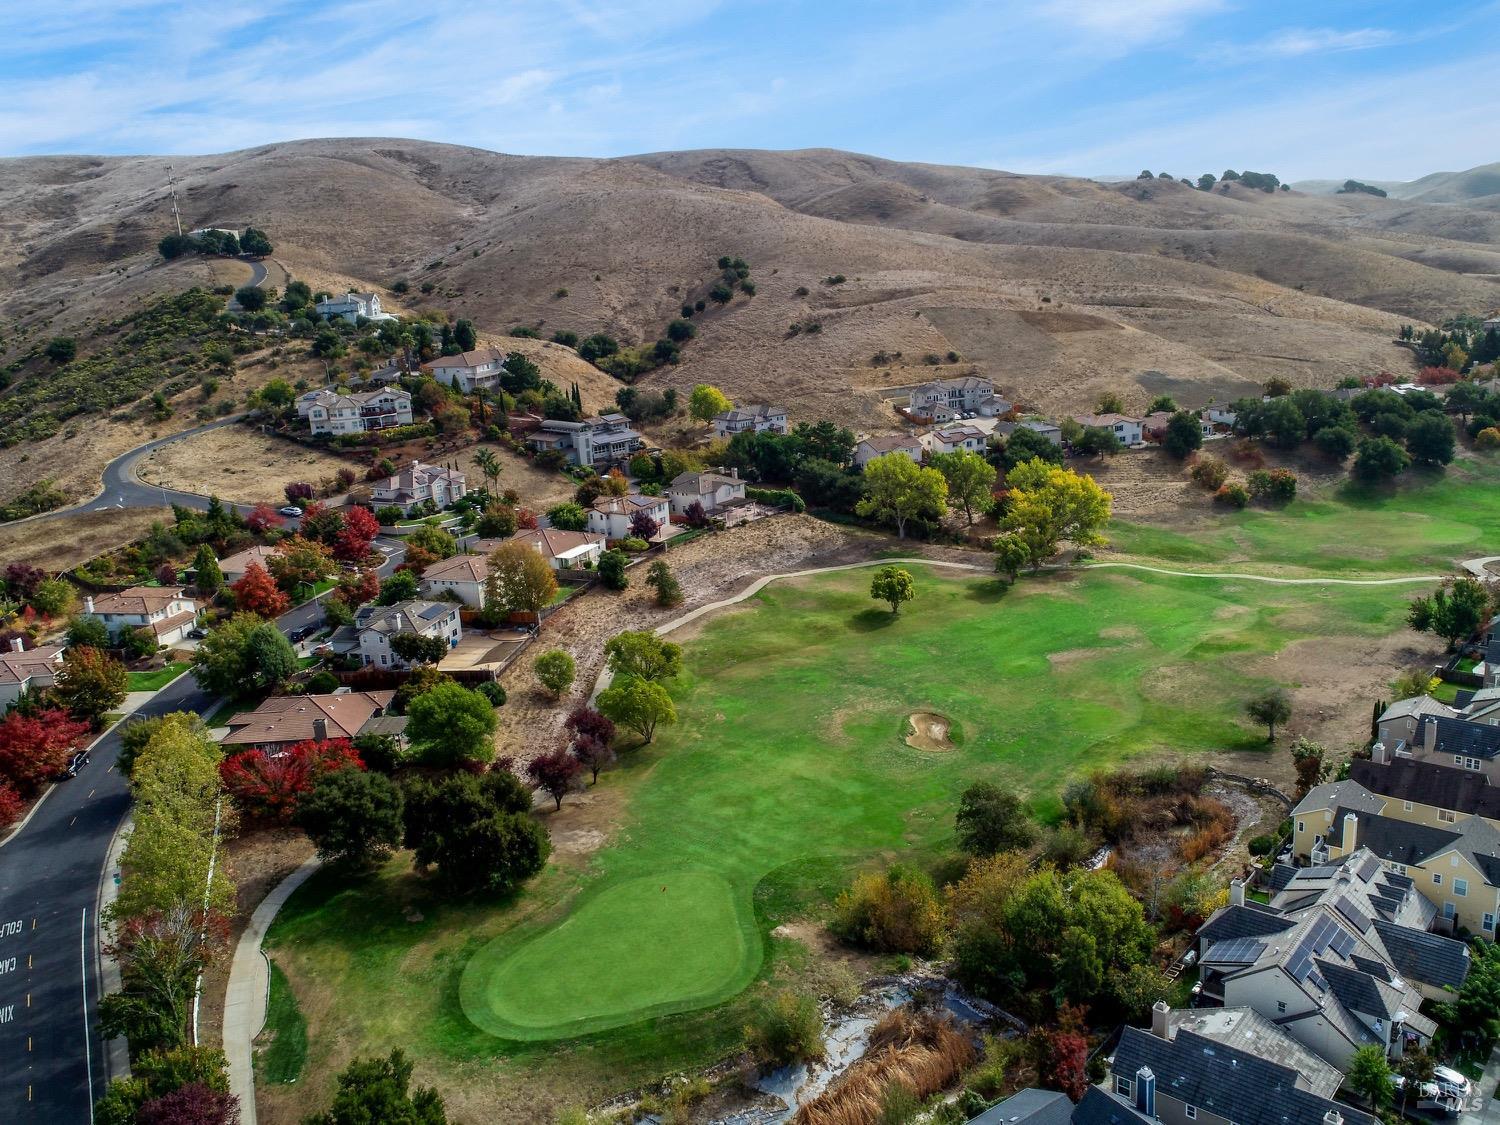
x=1100, y=1107
x=1459, y=736
x=1232, y=922
x=1231, y=1083
x=1430, y=958
x=1349, y=794
x=1028, y=1107
x=1430, y=783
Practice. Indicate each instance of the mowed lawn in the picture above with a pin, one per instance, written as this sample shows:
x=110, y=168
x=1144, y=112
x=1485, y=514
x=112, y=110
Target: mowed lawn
x=789, y=771
x=1426, y=524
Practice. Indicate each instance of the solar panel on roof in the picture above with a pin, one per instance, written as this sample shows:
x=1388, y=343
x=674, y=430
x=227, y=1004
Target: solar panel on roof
x=432, y=612
x=1355, y=917
x=1236, y=951
x=1342, y=942
x=1367, y=868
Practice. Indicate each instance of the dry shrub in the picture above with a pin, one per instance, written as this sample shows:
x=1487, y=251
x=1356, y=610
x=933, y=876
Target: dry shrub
x=1209, y=471
x=1248, y=453
x=1213, y=827
x=922, y=1052
x=897, y=912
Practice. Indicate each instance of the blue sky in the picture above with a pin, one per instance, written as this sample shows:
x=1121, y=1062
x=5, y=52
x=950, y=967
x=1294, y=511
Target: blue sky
x=1378, y=89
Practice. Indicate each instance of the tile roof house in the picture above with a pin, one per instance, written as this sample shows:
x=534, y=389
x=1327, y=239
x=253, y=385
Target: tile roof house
x=285, y=720
x=468, y=371
x=1320, y=964
x=417, y=483
x=714, y=490
x=1396, y=728
x=1127, y=429
x=1049, y=431
x=950, y=439
x=166, y=610
x=357, y=412
x=233, y=568
x=564, y=550
x=946, y=399
x=601, y=441
x=352, y=307
x=610, y=516
x=744, y=419
x=376, y=625
x=26, y=669
x=872, y=447
x=462, y=576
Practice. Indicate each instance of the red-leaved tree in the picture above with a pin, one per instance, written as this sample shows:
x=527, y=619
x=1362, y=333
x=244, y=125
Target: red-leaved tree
x=585, y=722
x=642, y=526
x=34, y=749
x=266, y=785
x=262, y=518
x=1437, y=376
x=193, y=1104
x=356, y=588
x=299, y=490
x=526, y=519
x=352, y=544
x=257, y=592
x=1065, y=1057
x=10, y=804
x=554, y=773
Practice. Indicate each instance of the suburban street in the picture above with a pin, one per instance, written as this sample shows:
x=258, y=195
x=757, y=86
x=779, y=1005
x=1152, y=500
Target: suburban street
x=50, y=872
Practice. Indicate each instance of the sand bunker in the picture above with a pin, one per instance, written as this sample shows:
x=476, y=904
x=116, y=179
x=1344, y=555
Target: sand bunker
x=929, y=731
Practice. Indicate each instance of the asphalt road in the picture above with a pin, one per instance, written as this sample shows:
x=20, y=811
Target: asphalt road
x=52, y=1057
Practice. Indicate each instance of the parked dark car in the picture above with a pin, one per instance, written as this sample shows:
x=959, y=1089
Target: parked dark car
x=76, y=763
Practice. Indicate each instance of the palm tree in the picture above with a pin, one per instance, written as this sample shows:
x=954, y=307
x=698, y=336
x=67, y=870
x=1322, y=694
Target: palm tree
x=490, y=466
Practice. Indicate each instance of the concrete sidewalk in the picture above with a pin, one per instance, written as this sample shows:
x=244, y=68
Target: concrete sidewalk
x=249, y=986
x=1483, y=1108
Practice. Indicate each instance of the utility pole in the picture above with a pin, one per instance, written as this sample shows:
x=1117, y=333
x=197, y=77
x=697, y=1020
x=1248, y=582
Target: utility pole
x=172, y=187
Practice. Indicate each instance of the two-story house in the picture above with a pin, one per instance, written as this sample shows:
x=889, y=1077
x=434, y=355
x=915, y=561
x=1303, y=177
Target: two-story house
x=25, y=669
x=946, y=399
x=417, y=483
x=1341, y=958
x=950, y=439
x=869, y=448
x=282, y=721
x=352, y=307
x=166, y=610
x=743, y=419
x=714, y=490
x=602, y=441
x=610, y=516
x=357, y=412
x=376, y=625
x=563, y=550
x=479, y=370
x=1128, y=430
x=1048, y=430
x=463, y=576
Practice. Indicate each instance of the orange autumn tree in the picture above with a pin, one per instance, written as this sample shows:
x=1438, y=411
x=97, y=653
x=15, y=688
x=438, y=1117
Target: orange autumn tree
x=258, y=593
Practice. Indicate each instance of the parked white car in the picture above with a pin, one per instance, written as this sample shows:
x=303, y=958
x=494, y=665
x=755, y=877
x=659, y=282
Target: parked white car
x=1451, y=1081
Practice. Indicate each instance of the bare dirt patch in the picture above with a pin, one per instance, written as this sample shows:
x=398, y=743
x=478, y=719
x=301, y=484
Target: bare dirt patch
x=928, y=731
x=67, y=541
x=238, y=464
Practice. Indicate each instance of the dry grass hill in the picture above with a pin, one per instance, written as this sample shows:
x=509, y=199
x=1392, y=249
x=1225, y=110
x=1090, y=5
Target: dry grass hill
x=1056, y=288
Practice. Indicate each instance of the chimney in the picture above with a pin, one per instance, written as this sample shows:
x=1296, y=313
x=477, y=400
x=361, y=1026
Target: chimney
x=88, y=605
x=1145, y=1091
x=735, y=472
x=1159, y=1012
x=17, y=645
x=1351, y=833
x=320, y=730
x=1236, y=892
x=1380, y=755
x=1333, y=1117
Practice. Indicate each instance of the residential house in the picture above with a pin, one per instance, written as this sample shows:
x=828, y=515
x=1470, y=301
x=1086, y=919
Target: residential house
x=479, y=370
x=1454, y=862
x=376, y=625
x=1219, y=1069
x=417, y=483
x=872, y=447
x=357, y=412
x=25, y=669
x=610, y=516
x=1154, y=425
x=1428, y=793
x=946, y=399
x=1396, y=728
x=744, y=419
x=714, y=490
x=233, y=568
x=1128, y=430
x=565, y=550
x=352, y=307
x=1217, y=416
x=1048, y=1107
x=166, y=610
x=1046, y=429
x=602, y=441
x=950, y=439
x=1491, y=325
x=282, y=721
x=1341, y=958
x=463, y=576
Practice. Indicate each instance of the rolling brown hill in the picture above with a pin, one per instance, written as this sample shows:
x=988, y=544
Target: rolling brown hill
x=1057, y=288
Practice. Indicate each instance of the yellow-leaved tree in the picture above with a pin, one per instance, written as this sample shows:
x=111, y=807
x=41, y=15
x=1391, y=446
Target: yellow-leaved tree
x=1050, y=504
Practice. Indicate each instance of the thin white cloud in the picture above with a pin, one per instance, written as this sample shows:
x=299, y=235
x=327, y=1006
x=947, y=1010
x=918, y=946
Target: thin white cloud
x=1130, y=22
x=1296, y=42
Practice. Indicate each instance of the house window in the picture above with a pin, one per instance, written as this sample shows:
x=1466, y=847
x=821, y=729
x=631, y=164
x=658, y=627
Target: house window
x=1489, y=922
x=1281, y=1007
x=1406, y=806
x=1458, y=759
x=1122, y=1087
x=1448, y=910
x=1446, y=816
x=1437, y=878
x=1461, y=888
x=1471, y=763
x=1192, y=1113
x=1301, y=827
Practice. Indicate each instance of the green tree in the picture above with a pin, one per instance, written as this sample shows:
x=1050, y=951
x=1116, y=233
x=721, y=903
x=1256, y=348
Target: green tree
x=1025, y=444
x=1184, y=434
x=489, y=464
x=379, y=1090
x=1162, y=404
x=402, y=586
x=89, y=631
x=464, y=335
x=89, y=684
x=520, y=580
x=352, y=816
x=61, y=349
x=895, y=911
x=1370, y=1076
x=785, y=1029
x=449, y=725
x=418, y=648
x=639, y=705
x=1273, y=708
x=568, y=516
x=1011, y=554
x=1430, y=439
x=643, y=654
x=1473, y=1016
x=1078, y=966
x=555, y=671
x=1097, y=441
x=433, y=540
x=254, y=242
x=1455, y=611
x=1049, y=504
x=250, y=298
x=898, y=490
x=207, y=577
x=1336, y=442
x=661, y=579
x=991, y=819
x=893, y=585
x=1110, y=402
x=971, y=479
x=1379, y=458
x=51, y=597
x=612, y=569
x=706, y=402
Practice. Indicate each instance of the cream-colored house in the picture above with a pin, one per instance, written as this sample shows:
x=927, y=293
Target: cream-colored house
x=166, y=610
x=713, y=490
x=25, y=669
x=479, y=370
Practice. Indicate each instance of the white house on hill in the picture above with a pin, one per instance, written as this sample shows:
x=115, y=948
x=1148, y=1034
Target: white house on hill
x=351, y=307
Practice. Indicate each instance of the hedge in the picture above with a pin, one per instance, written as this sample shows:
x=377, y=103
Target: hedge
x=393, y=433
x=777, y=496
